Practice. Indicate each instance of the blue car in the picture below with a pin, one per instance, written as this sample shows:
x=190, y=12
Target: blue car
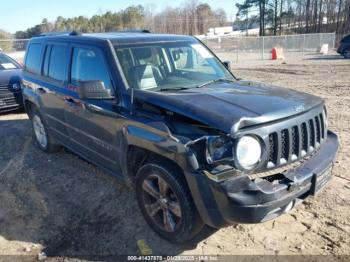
x=10, y=84
x=344, y=47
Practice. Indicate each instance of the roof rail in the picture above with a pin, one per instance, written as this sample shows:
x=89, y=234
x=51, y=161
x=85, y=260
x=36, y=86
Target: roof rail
x=59, y=33
x=146, y=31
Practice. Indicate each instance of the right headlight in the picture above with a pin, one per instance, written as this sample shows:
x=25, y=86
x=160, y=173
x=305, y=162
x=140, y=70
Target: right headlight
x=248, y=152
x=218, y=149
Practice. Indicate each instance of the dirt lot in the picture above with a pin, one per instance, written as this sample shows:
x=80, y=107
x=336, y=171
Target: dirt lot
x=65, y=206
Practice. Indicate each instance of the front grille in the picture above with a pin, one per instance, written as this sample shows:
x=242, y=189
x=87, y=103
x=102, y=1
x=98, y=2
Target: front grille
x=8, y=98
x=4, y=89
x=295, y=142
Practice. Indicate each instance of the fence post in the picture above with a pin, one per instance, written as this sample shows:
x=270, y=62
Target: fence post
x=303, y=48
x=263, y=48
x=333, y=40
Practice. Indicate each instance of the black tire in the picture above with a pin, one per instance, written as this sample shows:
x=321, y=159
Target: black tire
x=190, y=223
x=346, y=53
x=51, y=145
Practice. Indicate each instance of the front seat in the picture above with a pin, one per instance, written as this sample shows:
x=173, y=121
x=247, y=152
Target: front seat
x=145, y=76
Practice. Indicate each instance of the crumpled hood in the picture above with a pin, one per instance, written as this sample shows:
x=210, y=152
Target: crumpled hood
x=231, y=106
x=8, y=77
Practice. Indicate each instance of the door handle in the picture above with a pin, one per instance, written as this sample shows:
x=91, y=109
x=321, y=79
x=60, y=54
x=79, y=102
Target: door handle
x=41, y=90
x=70, y=101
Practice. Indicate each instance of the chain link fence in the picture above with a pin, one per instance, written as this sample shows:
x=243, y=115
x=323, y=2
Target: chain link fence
x=233, y=48
x=259, y=48
x=14, y=47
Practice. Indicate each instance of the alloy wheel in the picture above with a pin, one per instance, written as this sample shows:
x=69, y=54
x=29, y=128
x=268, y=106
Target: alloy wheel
x=39, y=131
x=161, y=203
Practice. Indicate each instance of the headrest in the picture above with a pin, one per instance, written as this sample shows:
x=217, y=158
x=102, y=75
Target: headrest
x=143, y=71
x=143, y=76
x=142, y=53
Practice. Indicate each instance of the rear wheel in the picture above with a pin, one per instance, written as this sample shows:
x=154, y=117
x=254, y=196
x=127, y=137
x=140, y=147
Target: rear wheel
x=347, y=53
x=166, y=203
x=42, y=137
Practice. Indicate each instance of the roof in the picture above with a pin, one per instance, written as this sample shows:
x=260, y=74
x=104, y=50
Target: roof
x=119, y=37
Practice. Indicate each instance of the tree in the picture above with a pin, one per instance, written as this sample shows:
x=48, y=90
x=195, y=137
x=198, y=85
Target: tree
x=6, y=46
x=299, y=16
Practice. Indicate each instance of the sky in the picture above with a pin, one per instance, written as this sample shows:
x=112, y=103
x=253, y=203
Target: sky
x=18, y=15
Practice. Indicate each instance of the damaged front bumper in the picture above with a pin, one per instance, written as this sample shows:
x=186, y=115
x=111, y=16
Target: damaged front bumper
x=242, y=200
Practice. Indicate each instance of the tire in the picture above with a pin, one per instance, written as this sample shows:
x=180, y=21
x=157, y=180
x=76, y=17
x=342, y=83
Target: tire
x=346, y=53
x=173, y=202
x=44, y=140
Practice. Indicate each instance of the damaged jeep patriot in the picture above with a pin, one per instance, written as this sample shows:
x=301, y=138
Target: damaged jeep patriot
x=165, y=115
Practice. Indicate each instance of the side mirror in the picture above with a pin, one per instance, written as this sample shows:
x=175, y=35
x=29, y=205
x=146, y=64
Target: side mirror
x=227, y=64
x=93, y=90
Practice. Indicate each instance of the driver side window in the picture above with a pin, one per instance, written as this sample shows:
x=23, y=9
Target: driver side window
x=89, y=65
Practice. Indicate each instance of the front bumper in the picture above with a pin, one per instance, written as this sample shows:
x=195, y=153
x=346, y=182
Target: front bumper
x=242, y=200
x=10, y=101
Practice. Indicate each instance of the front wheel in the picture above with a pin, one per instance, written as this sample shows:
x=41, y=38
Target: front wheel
x=166, y=203
x=43, y=138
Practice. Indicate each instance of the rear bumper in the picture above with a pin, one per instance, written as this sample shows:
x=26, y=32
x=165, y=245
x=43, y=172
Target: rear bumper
x=241, y=200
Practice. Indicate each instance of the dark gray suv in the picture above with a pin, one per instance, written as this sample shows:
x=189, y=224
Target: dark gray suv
x=162, y=113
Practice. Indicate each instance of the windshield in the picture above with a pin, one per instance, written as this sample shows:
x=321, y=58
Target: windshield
x=7, y=63
x=170, y=66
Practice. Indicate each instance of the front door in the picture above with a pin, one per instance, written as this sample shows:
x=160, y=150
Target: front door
x=92, y=124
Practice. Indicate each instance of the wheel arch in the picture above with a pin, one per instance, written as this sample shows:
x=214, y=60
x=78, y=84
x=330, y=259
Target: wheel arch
x=138, y=156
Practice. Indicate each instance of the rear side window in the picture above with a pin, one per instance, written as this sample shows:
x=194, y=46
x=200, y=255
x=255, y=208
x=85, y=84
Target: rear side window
x=89, y=65
x=56, y=61
x=33, y=58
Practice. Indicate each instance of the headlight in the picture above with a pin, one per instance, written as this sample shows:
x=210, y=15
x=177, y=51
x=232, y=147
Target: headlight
x=248, y=152
x=218, y=148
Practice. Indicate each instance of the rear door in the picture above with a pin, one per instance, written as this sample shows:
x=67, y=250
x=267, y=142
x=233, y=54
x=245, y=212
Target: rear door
x=93, y=125
x=54, y=89
x=45, y=74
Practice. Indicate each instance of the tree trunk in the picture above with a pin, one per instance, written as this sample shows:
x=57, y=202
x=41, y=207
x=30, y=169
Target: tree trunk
x=263, y=17
x=338, y=16
x=307, y=11
x=275, y=16
x=315, y=16
x=320, y=18
x=281, y=11
x=260, y=19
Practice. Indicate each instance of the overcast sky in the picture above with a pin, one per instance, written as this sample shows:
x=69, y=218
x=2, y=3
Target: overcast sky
x=18, y=15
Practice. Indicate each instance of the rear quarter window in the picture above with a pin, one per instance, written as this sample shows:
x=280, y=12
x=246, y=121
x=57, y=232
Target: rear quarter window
x=32, y=63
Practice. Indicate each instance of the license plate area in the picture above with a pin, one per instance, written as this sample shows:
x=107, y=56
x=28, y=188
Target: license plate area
x=320, y=180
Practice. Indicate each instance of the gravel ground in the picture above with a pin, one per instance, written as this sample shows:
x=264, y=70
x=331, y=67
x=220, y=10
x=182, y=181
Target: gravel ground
x=65, y=206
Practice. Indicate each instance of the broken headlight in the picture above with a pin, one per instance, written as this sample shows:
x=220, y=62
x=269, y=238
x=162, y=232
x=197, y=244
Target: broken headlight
x=218, y=149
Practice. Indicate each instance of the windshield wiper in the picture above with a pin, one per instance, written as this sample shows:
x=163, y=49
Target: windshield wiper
x=173, y=88
x=215, y=81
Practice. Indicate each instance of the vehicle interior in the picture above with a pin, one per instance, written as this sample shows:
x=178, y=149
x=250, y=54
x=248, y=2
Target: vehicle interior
x=169, y=66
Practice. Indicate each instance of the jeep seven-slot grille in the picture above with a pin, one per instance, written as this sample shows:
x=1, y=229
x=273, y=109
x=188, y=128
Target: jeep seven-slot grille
x=295, y=142
x=7, y=97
